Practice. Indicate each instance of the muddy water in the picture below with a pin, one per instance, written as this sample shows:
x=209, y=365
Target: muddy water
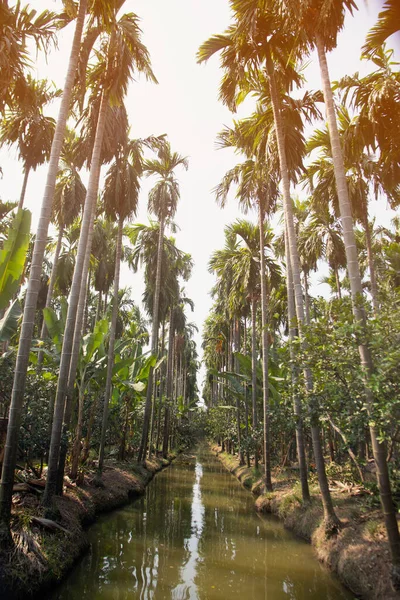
x=195, y=535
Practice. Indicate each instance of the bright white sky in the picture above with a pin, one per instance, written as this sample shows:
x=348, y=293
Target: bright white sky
x=184, y=105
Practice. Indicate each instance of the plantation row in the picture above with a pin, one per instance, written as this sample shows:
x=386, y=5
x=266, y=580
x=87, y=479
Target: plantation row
x=77, y=375
x=295, y=379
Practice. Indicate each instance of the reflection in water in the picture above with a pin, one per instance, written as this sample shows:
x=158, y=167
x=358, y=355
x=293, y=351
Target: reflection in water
x=195, y=535
x=187, y=587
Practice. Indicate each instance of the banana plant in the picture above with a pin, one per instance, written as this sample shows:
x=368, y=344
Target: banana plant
x=13, y=256
x=237, y=380
x=9, y=322
x=130, y=385
x=90, y=367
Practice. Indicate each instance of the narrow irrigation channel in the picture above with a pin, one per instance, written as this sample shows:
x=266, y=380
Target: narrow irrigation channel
x=195, y=535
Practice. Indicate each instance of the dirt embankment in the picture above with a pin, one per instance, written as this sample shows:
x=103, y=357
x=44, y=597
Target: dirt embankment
x=358, y=554
x=45, y=549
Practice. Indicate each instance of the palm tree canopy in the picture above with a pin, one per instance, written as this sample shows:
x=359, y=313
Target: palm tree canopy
x=18, y=25
x=261, y=28
x=70, y=193
x=388, y=24
x=164, y=196
x=25, y=124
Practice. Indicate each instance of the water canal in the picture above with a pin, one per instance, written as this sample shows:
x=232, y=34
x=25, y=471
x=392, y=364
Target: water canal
x=195, y=535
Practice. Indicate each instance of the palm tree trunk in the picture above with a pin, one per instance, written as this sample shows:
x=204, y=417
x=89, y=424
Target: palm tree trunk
x=154, y=341
x=301, y=454
x=24, y=184
x=111, y=344
x=371, y=261
x=49, y=298
x=339, y=289
x=254, y=373
x=236, y=339
x=78, y=332
x=264, y=337
x=90, y=202
x=53, y=275
x=78, y=435
x=168, y=391
x=153, y=410
x=98, y=311
x=17, y=398
x=306, y=299
x=246, y=406
x=161, y=392
x=378, y=448
x=331, y=520
x=86, y=324
x=86, y=444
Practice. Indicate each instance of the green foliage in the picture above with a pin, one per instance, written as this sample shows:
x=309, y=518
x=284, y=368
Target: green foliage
x=13, y=256
x=9, y=322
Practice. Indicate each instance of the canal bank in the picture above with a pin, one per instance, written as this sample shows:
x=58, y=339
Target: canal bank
x=45, y=550
x=194, y=535
x=358, y=555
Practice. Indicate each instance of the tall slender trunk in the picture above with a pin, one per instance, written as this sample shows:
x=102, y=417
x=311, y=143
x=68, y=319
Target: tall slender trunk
x=98, y=310
x=378, y=448
x=236, y=341
x=331, y=520
x=306, y=299
x=264, y=337
x=371, y=261
x=76, y=450
x=111, y=344
x=27, y=170
x=66, y=353
x=161, y=394
x=153, y=410
x=33, y=288
x=78, y=332
x=254, y=374
x=339, y=288
x=246, y=406
x=43, y=333
x=300, y=443
x=49, y=298
x=86, y=324
x=53, y=277
x=168, y=391
x=154, y=343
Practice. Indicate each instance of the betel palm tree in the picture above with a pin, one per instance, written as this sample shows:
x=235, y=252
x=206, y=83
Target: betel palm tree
x=120, y=197
x=362, y=174
x=231, y=296
x=121, y=53
x=376, y=128
x=247, y=272
x=256, y=187
x=321, y=237
x=69, y=198
x=251, y=284
x=177, y=323
x=258, y=127
x=20, y=25
x=174, y=264
x=321, y=22
x=388, y=24
x=103, y=257
x=26, y=126
x=257, y=40
x=34, y=286
x=163, y=200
